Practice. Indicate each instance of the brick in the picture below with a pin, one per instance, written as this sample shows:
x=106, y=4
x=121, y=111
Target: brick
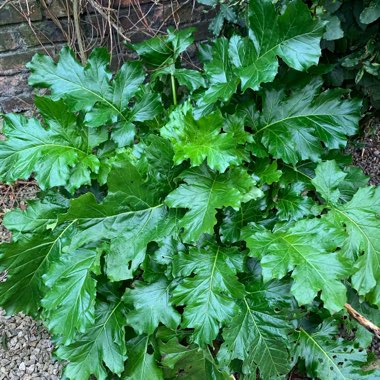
x=133, y=22
x=8, y=41
x=55, y=8
x=116, y=4
x=15, y=62
x=183, y=13
x=45, y=32
x=10, y=14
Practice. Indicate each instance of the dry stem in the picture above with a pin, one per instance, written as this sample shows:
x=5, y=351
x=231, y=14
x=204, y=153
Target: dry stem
x=371, y=327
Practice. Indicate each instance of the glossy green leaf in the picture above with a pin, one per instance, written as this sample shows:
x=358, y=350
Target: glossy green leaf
x=204, y=192
x=151, y=306
x=59, y=155
x=39, y=217
x=130, y=230
x=267, y=172
x=25, y=262
x=141, y=365
x=328, y=177
x=359, y=218
x=258, y=336
x=200, y=140
x=327, y=357
x=291, y=204
x=192, y=362
x=92, y=89
x=164, y=50
x=306, y=249
x=223, y=81
x=102, y=346
x=292, y=128
x=235, y=220
x=83, y=87
x=209, y=291
x=370, y=13
x=70, y=301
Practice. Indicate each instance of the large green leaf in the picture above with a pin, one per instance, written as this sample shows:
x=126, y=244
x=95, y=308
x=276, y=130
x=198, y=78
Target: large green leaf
x=293, y=36
x=141, y=364
x=129, y=216
x=60, y=155
x=292, y=128
x=102, y=345
x=328, y=357
x=328, y=177
x=257, y=335
x=223, y=81
x=150, y=307
x=130, y=231
x=204, y=192
x=306, y=249
x=358, y=220
x=92, y=89
x=191, y=362
x=70, y=300
x=209, y=291
x=292, y=205
x=83, y=87
x=201, y=139
x=235, y=220
x=39, y=217
x=164, y=50
x=25, y=262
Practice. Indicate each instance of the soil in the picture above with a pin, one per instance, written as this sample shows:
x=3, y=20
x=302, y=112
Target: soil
x=366, y=150
x=25, y=345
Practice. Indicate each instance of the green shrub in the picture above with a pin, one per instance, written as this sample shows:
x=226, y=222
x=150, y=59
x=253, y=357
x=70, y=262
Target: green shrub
x=195, y=223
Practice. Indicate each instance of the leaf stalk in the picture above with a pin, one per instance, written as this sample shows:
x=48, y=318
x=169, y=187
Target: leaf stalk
x=174, y=90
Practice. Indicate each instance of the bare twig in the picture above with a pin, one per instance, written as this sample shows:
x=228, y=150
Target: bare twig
x=371, y=327
x=76, y=16
x=54, y=19
x=26, y=17
x=101, y=11
x=4, y=4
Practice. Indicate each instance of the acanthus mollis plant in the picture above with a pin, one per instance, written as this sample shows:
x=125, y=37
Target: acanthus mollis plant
x=207, y=232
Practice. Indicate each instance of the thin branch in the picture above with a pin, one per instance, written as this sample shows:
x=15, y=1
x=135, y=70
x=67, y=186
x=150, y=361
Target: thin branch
x=371, y=327
x=4, y=4
x=76, y=16
x=101, y=11
x=54, y=19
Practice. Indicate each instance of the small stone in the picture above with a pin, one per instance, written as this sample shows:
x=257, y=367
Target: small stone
x=22, y=367
x=30, y=369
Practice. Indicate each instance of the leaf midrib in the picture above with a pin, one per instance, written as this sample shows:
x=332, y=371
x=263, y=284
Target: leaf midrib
x=80, y=87
x=315, y=343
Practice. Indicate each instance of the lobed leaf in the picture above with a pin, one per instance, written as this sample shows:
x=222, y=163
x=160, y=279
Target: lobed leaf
x=102, y=346
x=204, y=192
x=210, y=296
x=59, y=155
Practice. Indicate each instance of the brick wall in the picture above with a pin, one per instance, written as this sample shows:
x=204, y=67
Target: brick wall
x=32, y=26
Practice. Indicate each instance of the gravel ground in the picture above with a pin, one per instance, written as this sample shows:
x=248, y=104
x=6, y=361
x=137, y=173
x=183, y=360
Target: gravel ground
x=25, y=345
